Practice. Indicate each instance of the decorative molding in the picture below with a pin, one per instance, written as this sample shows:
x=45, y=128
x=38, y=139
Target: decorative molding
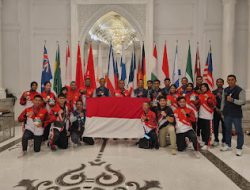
x=139, y=14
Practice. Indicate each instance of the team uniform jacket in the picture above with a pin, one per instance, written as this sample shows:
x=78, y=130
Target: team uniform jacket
x=207, y=104
x=184, y=119
x=59, y=121
x=122, y=93
x=192, y=102
x=27, y=102
x=149, y=121
x=172, y=100
x=38, y=113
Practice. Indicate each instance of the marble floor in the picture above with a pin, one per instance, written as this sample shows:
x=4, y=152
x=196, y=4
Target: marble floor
x=120, y=165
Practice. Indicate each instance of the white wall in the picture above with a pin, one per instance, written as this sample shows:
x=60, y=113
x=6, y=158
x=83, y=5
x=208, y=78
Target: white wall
x=27, y=23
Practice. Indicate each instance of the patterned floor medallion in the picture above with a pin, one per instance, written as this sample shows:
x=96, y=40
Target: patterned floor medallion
x=78, y=179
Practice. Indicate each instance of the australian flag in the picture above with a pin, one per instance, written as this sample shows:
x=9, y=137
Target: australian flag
x=46, y=71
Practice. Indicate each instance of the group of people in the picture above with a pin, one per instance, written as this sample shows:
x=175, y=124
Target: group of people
x=187, y=114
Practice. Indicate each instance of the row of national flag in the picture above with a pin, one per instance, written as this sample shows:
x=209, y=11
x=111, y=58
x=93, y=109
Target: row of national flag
x=137, y=69
x=191, y=76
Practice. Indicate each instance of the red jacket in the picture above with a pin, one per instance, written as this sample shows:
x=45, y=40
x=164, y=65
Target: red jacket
x=89, y=92
x=184, y=119
x=149, y=119
x=39, y=113
x=72, y=96
x=172, y=100
x=207, y=104
x=29, y=97
x=122, y=93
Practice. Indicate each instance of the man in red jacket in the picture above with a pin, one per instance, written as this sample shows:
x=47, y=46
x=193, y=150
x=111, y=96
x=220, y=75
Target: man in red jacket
x=149, y=121
x=184, y=131
x=34, y=118
x=59, y=119
x=121, y=91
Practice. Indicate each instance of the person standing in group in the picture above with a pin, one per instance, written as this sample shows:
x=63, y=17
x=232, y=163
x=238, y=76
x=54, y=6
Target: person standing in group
x=140, y=92
x=102, y=91
x=206, y=111
x=28, y=96
x=49, y=99
x=233, y=98
x=217, y=113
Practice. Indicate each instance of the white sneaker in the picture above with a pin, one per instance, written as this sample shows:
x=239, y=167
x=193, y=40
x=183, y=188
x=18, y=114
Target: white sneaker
x=225, y=148
x=22, y=154
x=238, y=152
x=223, y=144
x=205, y=147
x=202, y=143
x=215, y=144
x=197, y=154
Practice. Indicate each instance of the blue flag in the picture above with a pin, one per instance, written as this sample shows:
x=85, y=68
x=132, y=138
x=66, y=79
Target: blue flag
x=46, y=71
x=123, y=70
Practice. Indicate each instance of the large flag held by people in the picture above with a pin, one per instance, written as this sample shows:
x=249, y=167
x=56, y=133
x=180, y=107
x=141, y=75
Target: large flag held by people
x=68, y=67
x=57, y=84
x=110, y=77
x=189, y=70
x=46, y=70
x=79, y=73
x=197, y=71
x=90, y=71
x=208, y=70
x=165, y=66
x=176, y=71
x=123, y=120
x=155, y=73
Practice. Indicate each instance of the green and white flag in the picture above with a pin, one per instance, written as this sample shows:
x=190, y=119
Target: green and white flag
x=57, y=84
x=189, y=70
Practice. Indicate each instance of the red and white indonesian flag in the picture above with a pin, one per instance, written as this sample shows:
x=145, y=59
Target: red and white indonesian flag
x=114, y=117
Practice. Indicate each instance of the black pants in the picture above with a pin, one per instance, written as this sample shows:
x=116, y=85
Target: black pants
x=28, y=135
x=204, y=125
x=46, y=132
x=216, y=124
x=153, y=139
x=181, y=142
x=59, y=138
x=76, y=135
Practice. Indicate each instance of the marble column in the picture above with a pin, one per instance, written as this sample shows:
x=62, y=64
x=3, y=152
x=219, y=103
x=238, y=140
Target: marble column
x=248, y=62
x=2, y=91
x=228, y=37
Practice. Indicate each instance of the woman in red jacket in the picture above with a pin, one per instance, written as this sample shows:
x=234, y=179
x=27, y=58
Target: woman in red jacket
x=172, y=97
x=206, y=111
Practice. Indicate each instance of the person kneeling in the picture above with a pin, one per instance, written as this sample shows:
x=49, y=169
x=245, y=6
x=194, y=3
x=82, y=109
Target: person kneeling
x=77, y=119
x=59, y=117
x=166, y=123
x=148, y=119
x=34, y=119
x=184, y=132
